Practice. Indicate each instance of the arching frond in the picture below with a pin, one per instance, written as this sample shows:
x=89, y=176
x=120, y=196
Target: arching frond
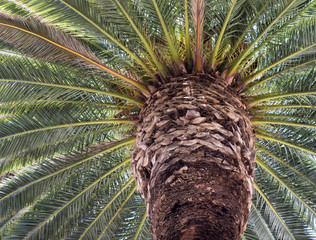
x=54, y=45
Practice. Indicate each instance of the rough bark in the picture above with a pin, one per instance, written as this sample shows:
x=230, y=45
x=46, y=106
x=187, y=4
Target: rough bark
x=194, y=160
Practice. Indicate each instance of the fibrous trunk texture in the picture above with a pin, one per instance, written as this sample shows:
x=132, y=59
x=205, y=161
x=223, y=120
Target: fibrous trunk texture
x=194, y=160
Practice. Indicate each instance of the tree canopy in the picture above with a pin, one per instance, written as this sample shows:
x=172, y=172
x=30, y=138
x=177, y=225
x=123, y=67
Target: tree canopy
x=74, y=75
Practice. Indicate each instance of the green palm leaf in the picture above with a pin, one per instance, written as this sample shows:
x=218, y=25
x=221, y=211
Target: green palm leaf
x=78, y=78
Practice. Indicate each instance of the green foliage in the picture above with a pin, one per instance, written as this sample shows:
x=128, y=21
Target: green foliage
x=74, y=75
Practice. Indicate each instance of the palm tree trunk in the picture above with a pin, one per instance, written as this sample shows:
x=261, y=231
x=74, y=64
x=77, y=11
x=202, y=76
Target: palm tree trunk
x=194, y=160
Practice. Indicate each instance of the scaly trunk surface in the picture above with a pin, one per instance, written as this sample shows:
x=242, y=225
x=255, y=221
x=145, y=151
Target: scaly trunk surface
x=194, y=160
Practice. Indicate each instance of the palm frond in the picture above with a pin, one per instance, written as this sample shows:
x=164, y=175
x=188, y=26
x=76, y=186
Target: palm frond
x=278, y=226
x=260, y=226
x=67, y=201
x=105, y=208
x=221, y=34
x=263, y=136
x=281, y=209
x=292, y=85
x=81, y=7
x=172, y=47
x=144, y=41
x=300, y=198
x=34, y=181
x=141, y=225
x=13, y=7
x=15, y=69
x=52, y=45
x=281, y=12
x=127, y=198
x=294, y=44
x=291, y=169
x=83, y=19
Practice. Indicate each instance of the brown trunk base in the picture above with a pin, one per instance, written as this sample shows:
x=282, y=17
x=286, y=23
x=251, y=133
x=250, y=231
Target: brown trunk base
x=194, y=160
x=199, y=201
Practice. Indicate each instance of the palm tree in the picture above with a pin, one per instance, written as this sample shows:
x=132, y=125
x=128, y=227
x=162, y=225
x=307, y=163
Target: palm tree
x=177, y=102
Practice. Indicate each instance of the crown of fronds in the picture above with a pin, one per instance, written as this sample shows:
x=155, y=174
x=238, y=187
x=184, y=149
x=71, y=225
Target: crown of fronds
x=74, y=75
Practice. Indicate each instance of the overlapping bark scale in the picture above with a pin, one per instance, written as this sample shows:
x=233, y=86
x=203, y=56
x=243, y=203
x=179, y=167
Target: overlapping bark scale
x=194, y=159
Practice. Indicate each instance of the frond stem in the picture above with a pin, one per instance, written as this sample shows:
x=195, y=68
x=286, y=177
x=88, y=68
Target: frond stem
x=270, y=107
x=187, y=34
x=270, y=121
x=271, y=115
x=114, y=105
x=140, y=226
